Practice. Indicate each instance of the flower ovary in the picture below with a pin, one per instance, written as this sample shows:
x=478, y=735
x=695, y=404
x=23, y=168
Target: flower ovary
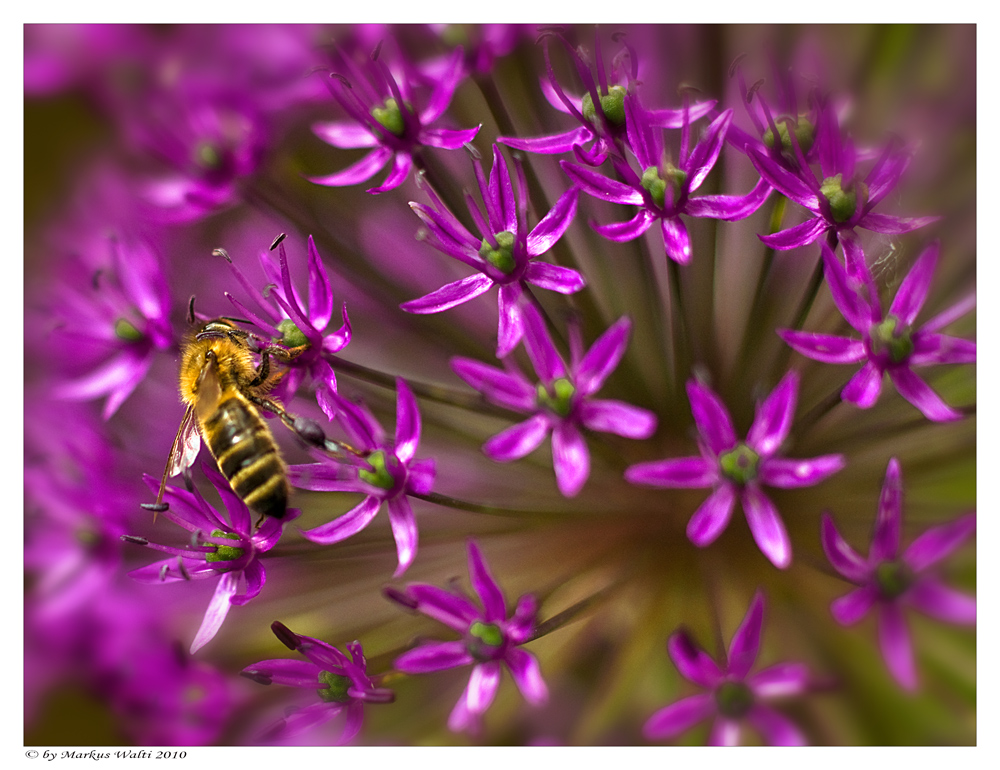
x=843, y=203
x=557, y=397
x=390, y=117
x=894, y=337
x=734, y=699
x=336, y=687
x=893, y=578
x=225, y=552
x=805, y=133
x=124, y=330
x=380, y=476
x=291, y=335
x=502, y=257
x=612, y=105
x=656, y=184
x=484, y=641
x=740, y=464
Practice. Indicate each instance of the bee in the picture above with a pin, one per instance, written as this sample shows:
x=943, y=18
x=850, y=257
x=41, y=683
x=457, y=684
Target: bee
x=224, y=391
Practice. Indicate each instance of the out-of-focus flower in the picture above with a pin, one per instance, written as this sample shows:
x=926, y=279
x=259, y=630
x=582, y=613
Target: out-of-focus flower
x=226, y=549
x=738, y=469
x=889, y=342
x=561, y=403
x=292, y=323
x=504, y=255
x=383, y=116
x=61, y=56
x=482, y=45
x=384, y=471
x=663, y=191
x=342, y=684
x=124, y=310
x=736, y=696
x=489, y=639
x=891, y=581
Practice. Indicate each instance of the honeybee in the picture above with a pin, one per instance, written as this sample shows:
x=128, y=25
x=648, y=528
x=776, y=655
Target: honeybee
x=223, y=391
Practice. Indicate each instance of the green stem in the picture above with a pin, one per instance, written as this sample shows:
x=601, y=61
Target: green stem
x=492, y=510
x=752, y=331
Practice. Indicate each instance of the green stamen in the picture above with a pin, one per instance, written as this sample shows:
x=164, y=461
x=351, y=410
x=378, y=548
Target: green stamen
x=225, y=552
x=612, y=105
x=734, y=699
x=291, y=335
x=893, y=336
x=843, y=203
x=379, y=477
x=484, y=640
x=805, y=133
x=336, y=687
x=893, y=578
x=126, y=331
x=739, y=464
x=657, y=185
x=390, y=117
x=559, y=399
x=502, y=257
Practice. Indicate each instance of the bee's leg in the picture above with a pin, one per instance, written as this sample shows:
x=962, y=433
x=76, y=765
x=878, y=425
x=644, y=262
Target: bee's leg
x=307, y=430
x=263, y=371
x=284, y=354
x=259, y=521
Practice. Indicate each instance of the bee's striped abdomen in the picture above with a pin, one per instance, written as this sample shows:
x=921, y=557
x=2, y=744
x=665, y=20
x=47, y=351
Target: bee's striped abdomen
x=247, y=455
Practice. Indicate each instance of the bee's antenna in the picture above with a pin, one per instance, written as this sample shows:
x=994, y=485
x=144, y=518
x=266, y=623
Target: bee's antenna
x=191, y=311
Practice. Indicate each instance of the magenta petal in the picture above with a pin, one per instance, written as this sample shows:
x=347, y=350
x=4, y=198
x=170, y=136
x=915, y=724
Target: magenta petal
x=746, y=641
x=522, y=623
x=919, y=393
x=570, y=458
x=603, y=357
x=486, y=588
x=912, y=292
x=544, y=357
x=793, y=237
x=824, y=347
x=601, y=187
x=711, y=417
x=564, y=280
x=894, y=639
x=347, y=134
x=783, y=180
x=527, y=676
x=941, y=349
x=510, y=322
x=518, y=440
x=552, y=226
x=344, y=526
x=617, y=417
x=864, y=387
x=626, y=231
x=498, y=386
x=693, y=663
x=676, y=240
x=724, y=732
x=676, y=118
x=682, y=473
x=790, y=474
x=551, y=144
x=401, y=165
x=286, y=671
x=766, y=526
x=456, y=612
x=888, y=522
x=776, y=728
x=850, y=608
x=478, y=696
x=712, y=516
x=448, y=138
x=435, y=656
x=731, y=208
x=255, y=576
x=404, y=532
x=449, y=295
x=846, y=291
x=780, y=680
x=702, y=158
x=941, y=602
x=844, y=559
x=953, y=313
x=885, y=223
x=217, y=610
x=773, y=418
x=674, y=719
x=938, y=542
x=358, y=172
x=407, y=422
x=352, y=724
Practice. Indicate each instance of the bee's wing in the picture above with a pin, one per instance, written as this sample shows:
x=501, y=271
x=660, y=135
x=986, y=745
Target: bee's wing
x=183, y=452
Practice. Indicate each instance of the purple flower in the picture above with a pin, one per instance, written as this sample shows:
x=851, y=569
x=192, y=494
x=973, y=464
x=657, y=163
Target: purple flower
x=383, y=471
x=739, y=469
x=504, y=254
x=294, y=323
x=561, y=402
x=600, y=111
x=840, y=201
x=224, y=547
x=890, y=581
x=663, y=191
x=122, y=313
x=482, y=45
x=383, y=117
x=342, y=684
x=889, y=343
x=489, y=638
x=735, y=695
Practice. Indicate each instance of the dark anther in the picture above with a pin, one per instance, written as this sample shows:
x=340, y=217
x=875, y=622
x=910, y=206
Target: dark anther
x=188, y=480
x=395, y=595
x=377, y=51
x=736, y=63
x=687, y=88
x=617, y=37
x=267, y=290
x=182, y=569
x=342, y=79
x=472, y=151
x=95, y=279
x=309, y=431
x=753, y=89
x=222, y=253
x=163, y=572
x=285, y=636
x=254, y=676
x=191, y=311
x=276, y=241
x=135, y=539
x=155, y=507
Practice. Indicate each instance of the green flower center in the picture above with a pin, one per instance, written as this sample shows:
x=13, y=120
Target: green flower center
x=124, y=330
x=207, y=156
x=612, y=105
x=893, y=578
x=805, y=133
x=485, y=639
x=734, y=699
x=390, y=117
x=843, y=203
x=740, y=464
x=291, y=335
x=656, y=184
x=225, y=552
x=379, y=476
x=558, y=397
x=502, y=257
x=894, y=337
x=336, y=687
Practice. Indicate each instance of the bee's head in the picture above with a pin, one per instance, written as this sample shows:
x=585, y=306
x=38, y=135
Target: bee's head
x=220, y=327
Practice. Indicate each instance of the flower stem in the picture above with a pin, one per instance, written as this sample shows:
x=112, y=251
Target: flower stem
x=492, y=510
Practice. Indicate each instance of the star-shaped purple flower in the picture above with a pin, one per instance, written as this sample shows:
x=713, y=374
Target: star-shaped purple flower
x=226, y=549
x=384, y=471
x=383, y=117
x=293, y=323
x=663, y=191
x=489, y=638
x=342, y=684
x=889, y=343
x=505, y=253
x=735, y=695
x=739, y=469
x=561, y=403
x=891, y=581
